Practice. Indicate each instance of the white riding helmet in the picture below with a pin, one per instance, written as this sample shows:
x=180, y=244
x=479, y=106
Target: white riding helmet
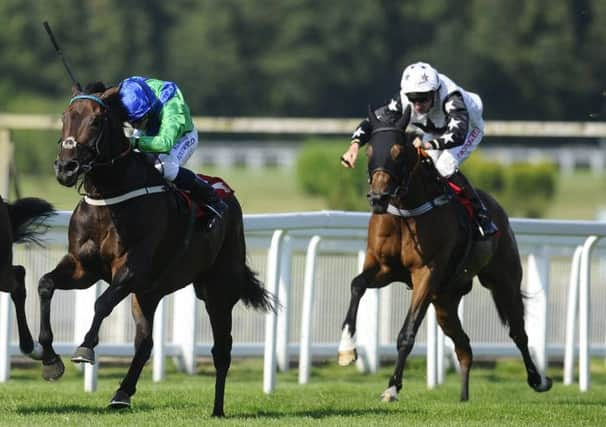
x=418, y=78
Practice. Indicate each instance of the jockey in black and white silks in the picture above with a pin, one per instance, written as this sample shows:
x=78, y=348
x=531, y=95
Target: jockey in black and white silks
x=450, y=122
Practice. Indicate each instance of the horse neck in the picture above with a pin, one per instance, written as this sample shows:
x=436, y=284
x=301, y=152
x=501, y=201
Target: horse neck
x=126, y=174
x=423, y=186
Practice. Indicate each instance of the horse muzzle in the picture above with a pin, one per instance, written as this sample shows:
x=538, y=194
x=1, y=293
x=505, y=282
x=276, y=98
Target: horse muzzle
x=67, y=172
x=378, y=202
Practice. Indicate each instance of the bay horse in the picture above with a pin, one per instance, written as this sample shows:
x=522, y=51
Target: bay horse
x=135, y=235
x=21, y=221
x=415, y=236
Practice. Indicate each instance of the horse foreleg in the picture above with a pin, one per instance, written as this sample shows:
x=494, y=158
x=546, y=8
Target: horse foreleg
x=220, y=313
x=406, y=337
x=104, y=305
x=347, y=353
x=143, y=309
x=18, y=295
x=64, y=276
x=448, y=319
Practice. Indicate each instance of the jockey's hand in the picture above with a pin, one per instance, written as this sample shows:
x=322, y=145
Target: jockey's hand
x=418, y=143
x=348, y=159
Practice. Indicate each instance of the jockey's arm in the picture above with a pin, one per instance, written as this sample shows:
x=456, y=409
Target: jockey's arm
x=457, y=124
x=388, y=112
x=173, y=124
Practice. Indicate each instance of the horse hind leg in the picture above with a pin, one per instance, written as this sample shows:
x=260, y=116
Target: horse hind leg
x=448, y=319
x=507, y=296
x=219, y=307
x=18, y=295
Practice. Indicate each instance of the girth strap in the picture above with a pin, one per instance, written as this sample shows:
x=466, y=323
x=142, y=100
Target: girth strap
x=419, y=210
x=126, y=196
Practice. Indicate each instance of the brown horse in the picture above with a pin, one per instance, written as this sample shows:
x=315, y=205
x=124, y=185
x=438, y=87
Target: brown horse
x=415, y=236
x=20, y=221
x=134, y=234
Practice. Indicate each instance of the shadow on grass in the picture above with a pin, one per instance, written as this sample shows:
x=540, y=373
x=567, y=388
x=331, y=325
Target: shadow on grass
x=77, y=409
x=327, y=413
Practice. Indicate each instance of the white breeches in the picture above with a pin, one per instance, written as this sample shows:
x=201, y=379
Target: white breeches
x=168, y=164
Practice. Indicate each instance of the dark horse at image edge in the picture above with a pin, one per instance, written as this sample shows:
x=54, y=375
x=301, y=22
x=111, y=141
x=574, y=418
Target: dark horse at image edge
x=21, y=221
x=418, y=234
x=148, y=246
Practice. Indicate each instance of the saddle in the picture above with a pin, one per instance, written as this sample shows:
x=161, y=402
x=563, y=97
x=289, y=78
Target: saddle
x=201, y=213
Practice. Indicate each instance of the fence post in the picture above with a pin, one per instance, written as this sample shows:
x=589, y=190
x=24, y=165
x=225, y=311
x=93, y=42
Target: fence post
x=585, y=313
x=185, y=329
x=284, y=281
x=368, y=329
x=159, y=341
x=307, y=314
x=6, y=316
x=572, y=309
x=535, y=316
x=432, y=347
x=6, y=157
x=272, y=277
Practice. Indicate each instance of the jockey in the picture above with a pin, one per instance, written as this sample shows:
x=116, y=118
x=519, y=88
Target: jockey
x=450, y=119
x=164, y=127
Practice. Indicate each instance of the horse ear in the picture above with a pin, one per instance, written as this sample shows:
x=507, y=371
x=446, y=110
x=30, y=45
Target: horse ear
x=403, y=121
x=109, y=93
x=374, y=120
x=76, y=89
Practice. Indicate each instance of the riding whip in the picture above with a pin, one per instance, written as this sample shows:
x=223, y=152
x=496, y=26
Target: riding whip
x=60, y=53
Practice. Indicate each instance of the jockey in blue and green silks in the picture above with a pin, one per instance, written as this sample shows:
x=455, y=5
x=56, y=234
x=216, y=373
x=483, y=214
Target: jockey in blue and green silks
x=164, y=127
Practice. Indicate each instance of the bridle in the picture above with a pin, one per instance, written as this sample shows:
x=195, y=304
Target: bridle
x=403, y=183
x=71, y=142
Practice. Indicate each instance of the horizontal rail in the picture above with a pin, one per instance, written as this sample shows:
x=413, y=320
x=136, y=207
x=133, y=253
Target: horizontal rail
x=328, y=126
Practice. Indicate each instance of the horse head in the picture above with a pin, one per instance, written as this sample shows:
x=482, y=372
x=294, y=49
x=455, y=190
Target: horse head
x=390, y=160
x=92, y=133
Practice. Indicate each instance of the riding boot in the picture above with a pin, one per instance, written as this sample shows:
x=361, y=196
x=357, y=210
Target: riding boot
x=203, y=193
x=486, y=226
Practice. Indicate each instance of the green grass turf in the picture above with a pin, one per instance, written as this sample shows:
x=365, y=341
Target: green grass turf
x=335, y=396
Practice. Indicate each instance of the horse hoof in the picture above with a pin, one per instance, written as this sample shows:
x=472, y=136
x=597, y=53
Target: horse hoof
x=53, y=370
x=84, y=355
x=544, y=385
x=121, y=400
x=390, y=394
x=347, y=357
x=36, y=353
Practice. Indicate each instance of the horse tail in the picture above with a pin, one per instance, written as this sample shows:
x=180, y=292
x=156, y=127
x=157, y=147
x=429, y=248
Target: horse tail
x=255, y=295
x=28, y=218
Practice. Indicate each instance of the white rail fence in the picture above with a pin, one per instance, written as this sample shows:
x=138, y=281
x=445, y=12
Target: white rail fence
x=308, y=260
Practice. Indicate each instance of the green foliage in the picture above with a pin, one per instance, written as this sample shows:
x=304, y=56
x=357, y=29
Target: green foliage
x=319, y=173
x=530, y=189
x=313, y=58
x=523, y=189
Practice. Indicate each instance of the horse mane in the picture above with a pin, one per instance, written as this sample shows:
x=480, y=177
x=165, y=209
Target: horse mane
x=95, y=87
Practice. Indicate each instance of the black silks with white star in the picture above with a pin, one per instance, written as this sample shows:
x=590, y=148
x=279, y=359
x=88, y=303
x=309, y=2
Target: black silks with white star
x=457, y=122
x=389, y=113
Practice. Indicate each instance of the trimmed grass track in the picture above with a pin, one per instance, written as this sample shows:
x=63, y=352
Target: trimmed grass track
x=335, y=396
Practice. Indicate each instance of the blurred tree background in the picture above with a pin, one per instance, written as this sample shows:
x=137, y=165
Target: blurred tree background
x=529, y=59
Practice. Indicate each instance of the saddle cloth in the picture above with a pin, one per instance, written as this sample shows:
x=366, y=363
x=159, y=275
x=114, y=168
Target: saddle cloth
x=221, y=187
